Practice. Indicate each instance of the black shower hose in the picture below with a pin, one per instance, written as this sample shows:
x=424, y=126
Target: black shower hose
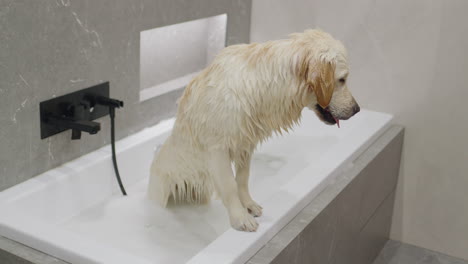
x=114, y=156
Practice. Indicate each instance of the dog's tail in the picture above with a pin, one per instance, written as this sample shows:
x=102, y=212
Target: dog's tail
x=179, y=186
x=166, y=188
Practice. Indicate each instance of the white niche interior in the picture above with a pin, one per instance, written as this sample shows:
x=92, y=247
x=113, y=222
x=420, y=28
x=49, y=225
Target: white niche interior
x=171, y=56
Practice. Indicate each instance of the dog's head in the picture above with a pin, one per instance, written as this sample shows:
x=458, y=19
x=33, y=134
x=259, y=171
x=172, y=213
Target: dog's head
x=323, y=69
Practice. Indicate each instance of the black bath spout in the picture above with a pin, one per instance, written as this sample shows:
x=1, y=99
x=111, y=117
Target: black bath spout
x=76, y=111
x=77, y=126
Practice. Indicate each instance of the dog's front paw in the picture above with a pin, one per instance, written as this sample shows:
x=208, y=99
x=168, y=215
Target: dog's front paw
x=244, y=222
x=254, y=208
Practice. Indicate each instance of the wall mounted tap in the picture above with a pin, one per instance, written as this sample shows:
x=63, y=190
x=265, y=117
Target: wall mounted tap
x=76, y=111
x=76, y=118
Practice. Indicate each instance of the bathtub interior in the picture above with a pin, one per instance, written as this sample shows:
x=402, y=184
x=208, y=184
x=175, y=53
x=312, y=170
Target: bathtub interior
x=76, y=212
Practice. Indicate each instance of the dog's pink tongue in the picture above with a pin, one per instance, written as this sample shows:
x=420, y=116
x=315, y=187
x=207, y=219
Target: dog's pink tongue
x=337, y=121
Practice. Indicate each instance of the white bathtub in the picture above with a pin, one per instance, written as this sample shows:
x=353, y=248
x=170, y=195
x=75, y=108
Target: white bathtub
x=75, y=212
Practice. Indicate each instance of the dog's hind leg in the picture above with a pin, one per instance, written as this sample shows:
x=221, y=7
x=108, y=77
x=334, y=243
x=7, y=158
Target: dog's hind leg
x=226, y=187
x=242, y=179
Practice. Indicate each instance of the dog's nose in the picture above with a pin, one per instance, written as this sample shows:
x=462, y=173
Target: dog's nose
x=356, y=109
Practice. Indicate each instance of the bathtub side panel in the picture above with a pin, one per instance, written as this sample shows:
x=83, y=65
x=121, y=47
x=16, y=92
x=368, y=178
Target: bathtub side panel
x=12, y=252
x=348, y=222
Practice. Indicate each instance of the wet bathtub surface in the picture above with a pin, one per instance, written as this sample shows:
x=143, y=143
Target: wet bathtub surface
x=136, y=225
x=177, y=233
x=76, y=213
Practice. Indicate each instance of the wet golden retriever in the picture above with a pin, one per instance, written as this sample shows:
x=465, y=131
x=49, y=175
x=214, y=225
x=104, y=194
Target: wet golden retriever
x=248, y=92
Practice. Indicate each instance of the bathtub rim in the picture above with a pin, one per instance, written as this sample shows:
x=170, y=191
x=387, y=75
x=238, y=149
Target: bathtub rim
x=271, y=232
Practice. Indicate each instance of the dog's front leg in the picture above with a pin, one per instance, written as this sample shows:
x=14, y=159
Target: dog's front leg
x=242, y=179
x=226, y=187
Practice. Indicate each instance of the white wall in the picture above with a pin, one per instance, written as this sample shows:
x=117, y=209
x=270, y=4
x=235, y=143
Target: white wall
x=408, y=58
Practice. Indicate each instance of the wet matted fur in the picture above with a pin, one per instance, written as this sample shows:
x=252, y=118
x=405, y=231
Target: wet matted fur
x=247, y=93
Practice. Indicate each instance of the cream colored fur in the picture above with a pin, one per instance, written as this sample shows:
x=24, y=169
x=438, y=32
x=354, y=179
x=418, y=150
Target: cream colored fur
x=245, y=95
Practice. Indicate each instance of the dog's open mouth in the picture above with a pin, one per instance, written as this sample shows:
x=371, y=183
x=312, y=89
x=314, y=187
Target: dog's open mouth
x=326, y=116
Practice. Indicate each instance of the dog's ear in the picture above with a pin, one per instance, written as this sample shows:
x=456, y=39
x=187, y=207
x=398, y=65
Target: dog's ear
x=319, y=77
x=322, y=82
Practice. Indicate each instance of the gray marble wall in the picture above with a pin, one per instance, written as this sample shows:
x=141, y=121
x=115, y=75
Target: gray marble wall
x=52, y=47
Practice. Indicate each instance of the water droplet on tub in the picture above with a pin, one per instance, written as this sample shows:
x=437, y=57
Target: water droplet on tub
x=276, y=164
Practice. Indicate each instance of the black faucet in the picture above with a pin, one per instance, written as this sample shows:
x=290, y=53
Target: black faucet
x=76, y=118
x=77, y=111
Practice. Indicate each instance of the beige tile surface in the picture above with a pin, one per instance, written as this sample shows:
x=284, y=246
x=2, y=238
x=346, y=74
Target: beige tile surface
x=408, y=58
x=399, y=253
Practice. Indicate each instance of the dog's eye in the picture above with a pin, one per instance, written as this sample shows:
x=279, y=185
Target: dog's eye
x=342, y=80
